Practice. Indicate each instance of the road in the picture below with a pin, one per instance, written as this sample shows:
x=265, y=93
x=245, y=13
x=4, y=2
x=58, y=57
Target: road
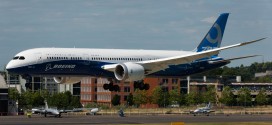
x=135, y=119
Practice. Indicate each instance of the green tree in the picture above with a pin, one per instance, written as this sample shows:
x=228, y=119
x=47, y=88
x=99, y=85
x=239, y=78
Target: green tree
x=164, y=100
x=13, y=94
x=75, y=102
x=64, y=100
x=244, y=97
x=91, y=105
x=183, y=99
x=199, y=98
x=59, y=100
x=115, y=100
x=22, y=101
x=28, y=99
x=227, y=96
x=191, y=98
x=210, y=95
x=45, y=94
x=38, y=100
x=156, y=96
x=130, y=101
x=228, y=71
x=261, y=97
x=174, y=97
x=140, y=97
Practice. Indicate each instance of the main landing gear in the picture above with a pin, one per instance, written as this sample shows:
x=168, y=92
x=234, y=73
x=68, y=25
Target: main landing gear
x=141, y=85
x=111, y=87
x=137, y=85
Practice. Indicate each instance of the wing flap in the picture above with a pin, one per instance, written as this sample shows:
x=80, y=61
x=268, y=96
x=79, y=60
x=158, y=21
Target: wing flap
x=235, y=58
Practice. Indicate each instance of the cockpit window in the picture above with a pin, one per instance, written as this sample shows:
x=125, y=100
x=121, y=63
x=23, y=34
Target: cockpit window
x=16, y=57
x=21, y=58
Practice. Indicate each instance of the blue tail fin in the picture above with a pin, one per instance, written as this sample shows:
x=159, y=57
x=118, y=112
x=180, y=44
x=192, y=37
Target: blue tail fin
x=214, y=37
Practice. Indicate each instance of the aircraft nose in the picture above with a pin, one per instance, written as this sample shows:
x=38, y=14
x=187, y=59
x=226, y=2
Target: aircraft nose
x=10, y=65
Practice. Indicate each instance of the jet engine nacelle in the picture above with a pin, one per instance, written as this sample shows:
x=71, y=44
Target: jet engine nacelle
x=67, y=80
x=129, y=72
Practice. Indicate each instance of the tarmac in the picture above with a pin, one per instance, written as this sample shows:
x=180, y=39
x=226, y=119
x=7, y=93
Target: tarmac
x=133, y=119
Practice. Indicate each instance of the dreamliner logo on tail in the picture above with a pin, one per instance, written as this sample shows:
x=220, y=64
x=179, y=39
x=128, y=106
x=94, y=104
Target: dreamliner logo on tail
x=218, y=38
x=208, y=48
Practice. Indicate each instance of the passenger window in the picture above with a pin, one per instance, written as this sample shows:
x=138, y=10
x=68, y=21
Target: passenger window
x=21, y=58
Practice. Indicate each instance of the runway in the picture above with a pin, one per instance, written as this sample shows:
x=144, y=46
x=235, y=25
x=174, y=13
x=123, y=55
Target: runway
x=135, y=119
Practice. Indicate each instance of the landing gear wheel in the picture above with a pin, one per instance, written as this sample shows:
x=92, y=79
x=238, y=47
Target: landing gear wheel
x=111, y=86
x=141, y=86
x=106, y=86
x=116, y=88
x=146, y=86
x=136, y=85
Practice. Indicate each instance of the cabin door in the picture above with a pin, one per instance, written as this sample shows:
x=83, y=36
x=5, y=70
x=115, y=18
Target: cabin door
x=39, y=57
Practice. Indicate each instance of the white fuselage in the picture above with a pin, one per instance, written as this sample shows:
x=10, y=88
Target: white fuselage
x=80, y=62
x=44, y=55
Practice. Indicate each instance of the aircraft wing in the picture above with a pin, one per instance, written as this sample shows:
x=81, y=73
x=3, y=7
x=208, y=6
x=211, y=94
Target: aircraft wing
x=38, y=111
x=152, y=66
x=227, y=60
x=211, y=111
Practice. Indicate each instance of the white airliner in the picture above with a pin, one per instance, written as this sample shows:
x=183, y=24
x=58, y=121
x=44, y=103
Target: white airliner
x=69, y=65
x=47, y=111
x=203, y=110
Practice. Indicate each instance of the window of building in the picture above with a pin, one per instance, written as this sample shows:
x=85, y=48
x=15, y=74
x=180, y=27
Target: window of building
x=165, y=81
x=126, y=89
x=95, y=81
x=174, y=81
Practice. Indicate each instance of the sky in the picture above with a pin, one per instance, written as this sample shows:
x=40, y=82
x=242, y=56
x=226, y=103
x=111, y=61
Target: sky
x=133, y=24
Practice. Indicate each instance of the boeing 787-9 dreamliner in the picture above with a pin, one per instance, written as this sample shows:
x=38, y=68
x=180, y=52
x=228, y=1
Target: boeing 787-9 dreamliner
x=69, y=65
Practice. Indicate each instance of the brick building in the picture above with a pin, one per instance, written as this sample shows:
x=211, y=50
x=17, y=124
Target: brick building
x=92, y=89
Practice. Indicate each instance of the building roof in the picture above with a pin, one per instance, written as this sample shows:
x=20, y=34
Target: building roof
x=251, y=83
x=262, y=74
